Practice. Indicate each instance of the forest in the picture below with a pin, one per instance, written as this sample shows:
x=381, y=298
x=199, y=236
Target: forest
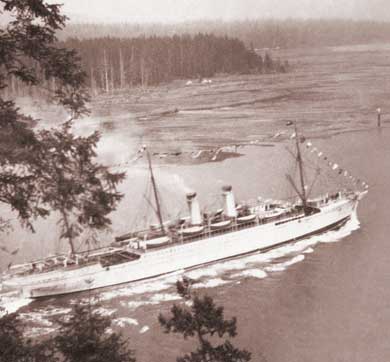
x=263, y=33
x=121, y=63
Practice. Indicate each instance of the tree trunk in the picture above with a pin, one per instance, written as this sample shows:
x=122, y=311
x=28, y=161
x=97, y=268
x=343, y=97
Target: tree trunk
x=105, y=64
x=69, y=232
x=122, y=70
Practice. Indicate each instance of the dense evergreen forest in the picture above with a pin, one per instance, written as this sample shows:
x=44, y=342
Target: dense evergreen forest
x=113, y=63
x=259, y=33
x=120, y=63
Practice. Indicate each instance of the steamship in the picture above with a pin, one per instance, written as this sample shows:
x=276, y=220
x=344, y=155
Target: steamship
x=190, y=242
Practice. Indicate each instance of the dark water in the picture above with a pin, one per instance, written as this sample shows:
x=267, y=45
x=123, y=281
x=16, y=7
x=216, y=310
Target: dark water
x=322, y=299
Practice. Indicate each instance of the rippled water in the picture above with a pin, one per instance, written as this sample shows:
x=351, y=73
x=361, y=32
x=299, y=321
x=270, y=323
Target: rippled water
x=326, y=298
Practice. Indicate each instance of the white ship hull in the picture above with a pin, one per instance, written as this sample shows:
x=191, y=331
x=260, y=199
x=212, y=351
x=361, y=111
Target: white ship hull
x=183, y=256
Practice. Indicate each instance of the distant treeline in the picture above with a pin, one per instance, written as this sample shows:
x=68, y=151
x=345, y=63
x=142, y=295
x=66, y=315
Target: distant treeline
x=114, y=63
x=120, y=63
x=258, y=33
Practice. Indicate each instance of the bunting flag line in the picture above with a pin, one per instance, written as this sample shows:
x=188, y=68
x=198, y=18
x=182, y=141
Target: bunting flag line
x=334, y=166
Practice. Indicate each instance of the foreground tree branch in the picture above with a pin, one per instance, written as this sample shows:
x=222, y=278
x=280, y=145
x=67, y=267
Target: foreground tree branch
x=205, y=322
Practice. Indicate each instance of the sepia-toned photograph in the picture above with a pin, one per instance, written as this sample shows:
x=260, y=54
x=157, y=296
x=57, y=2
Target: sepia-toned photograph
x=194, y=180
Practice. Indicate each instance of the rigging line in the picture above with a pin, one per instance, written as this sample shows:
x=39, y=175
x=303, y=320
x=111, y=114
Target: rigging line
x=141, y=206
x=146, y=216
x=314, y=181
x=149, y=203
x=155, y=191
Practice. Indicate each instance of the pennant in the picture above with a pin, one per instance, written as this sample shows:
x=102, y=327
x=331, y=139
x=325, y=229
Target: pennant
x=335, y=166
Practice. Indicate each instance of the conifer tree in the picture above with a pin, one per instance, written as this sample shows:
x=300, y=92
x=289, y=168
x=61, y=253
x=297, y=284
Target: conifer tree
x=85, y=337
x=52, y=169
x=205, y=322
x=14, y=347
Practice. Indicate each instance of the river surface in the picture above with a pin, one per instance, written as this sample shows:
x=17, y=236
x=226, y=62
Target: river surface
x=326, y=298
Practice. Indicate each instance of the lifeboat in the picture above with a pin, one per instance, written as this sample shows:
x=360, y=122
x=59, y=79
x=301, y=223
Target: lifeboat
x=192, y=230
x=220, y=225
x=158, y=242
x=273, y=213
x=246, y=218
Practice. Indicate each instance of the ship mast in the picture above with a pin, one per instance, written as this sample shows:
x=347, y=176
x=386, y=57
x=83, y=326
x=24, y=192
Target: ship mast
x=300, y=165
x=156, y=198
x=302, y=192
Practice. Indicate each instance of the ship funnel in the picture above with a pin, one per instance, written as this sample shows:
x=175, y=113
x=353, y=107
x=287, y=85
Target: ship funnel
x=229, y=205
x=193, y=205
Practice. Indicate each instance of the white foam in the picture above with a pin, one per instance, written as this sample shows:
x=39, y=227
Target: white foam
x=36, y=317
x=255, y=273
x=144, y=329
x=211, y=283
x=158, y=298
x=122, y=322
x=136, y=304
x=335, y=236
x=154, y=285
x=12, y=302
x=105, y=312
x=308, y=251
x=209, y=271
x=283, y=266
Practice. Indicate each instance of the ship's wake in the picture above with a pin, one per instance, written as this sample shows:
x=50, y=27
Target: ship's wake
x=11, y=302
x=152, y=293
x=257, y=265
